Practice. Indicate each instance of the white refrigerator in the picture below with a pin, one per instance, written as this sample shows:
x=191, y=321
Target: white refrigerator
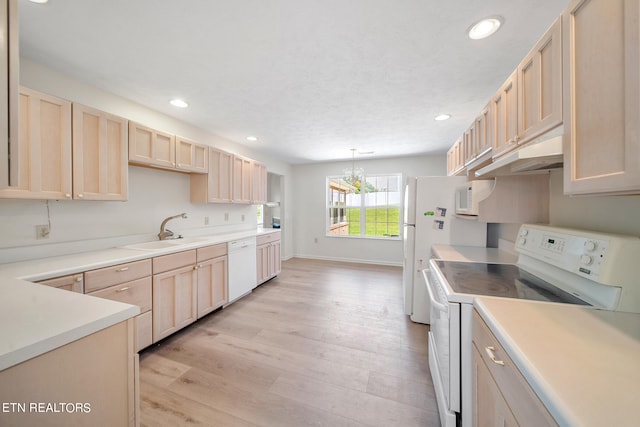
x=429, y=218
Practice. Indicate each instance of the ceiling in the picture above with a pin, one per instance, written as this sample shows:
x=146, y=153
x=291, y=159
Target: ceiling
x=310, y=78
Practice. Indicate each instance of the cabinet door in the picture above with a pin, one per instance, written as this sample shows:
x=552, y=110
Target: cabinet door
x=484, y=132
x=191, y=156
x=100, y=162
x=74, y=283
x=44, y=148
x=505, y=116
x=489, y=406
x=241, y=180
x=262, y=262
x=216, y=185
x=174, y=301
x=259, y=184
x=212, y=285
x=601, y=82
x=275, y=262
x=151, y=147
x=540, y=86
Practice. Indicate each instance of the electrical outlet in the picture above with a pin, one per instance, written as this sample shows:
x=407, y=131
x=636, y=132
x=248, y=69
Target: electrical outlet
x=242, y=217
x=226, y=216
x=315, y=240
x=42, y=231
x=206, y=220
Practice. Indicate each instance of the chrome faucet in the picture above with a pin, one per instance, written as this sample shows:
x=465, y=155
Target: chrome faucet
x=165, y=233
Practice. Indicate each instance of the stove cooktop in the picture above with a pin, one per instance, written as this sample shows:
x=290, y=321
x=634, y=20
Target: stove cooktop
x=501, y=280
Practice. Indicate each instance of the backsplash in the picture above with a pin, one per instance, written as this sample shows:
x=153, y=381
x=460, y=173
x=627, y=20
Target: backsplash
x=78, y=226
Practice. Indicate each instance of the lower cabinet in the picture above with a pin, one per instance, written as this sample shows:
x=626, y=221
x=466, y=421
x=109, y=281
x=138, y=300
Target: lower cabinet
x=268, y=261
x=501, y=395
x=73, y=282
x=174, y=293
x=212, y=278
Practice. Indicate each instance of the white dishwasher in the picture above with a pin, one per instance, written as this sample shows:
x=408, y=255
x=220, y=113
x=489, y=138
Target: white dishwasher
x=242, y=267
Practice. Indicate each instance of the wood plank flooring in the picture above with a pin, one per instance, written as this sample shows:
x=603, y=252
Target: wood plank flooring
x=324, y=344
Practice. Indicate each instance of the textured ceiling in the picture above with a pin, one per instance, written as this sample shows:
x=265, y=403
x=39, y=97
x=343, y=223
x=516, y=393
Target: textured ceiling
x=310, y=78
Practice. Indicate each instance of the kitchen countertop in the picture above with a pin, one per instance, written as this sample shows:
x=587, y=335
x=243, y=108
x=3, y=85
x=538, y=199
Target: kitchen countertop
x=473, y=254
x=35, y=319
x=584, y=364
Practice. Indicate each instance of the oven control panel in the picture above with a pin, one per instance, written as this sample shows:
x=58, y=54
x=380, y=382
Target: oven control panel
x=597, y=256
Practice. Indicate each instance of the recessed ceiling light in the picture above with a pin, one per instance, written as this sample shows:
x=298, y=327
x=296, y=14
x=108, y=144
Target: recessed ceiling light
x=178, y=103
x=485, y=27
x=442, y=117
x=252, y=138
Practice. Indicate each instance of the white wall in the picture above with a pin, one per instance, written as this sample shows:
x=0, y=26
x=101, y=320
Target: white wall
x=309, y=196
x=153, y=194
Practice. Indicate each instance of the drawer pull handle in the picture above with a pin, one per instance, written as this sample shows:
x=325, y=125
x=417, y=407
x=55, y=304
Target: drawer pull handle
x=492, y=356
x=79, y=279
x=126, y=288
x=122, y=269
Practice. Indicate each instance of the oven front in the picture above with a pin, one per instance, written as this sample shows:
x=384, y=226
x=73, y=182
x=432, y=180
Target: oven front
x=444, y=349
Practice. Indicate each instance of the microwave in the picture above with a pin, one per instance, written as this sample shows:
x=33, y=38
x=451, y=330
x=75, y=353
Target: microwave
x=468, y=196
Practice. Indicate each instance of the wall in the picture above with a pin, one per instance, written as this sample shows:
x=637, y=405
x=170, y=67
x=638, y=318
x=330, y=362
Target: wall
x=309, y=196
x=609, y=214
x=154, y=194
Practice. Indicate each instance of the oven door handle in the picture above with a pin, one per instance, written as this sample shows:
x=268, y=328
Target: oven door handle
x=434, y=303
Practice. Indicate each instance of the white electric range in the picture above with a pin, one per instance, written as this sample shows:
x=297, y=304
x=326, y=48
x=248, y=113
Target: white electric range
x=555, y=265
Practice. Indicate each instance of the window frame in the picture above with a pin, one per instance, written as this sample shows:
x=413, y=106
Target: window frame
x=363, y=208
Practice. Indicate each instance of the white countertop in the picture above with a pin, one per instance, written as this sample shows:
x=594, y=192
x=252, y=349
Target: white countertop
x=583, y=363
x=35, y=319
x=473, y=254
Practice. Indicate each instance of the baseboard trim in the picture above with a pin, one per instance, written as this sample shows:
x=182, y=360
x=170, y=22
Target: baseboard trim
x=346, y=260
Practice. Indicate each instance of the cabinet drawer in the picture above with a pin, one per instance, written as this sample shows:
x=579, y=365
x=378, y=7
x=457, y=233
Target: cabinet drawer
x=137, y=292
x=173, y=261
x=74, y=283
x=267, y=238
x=117, y=274
x=210, y=252
x=522, y=400
x=144, y=330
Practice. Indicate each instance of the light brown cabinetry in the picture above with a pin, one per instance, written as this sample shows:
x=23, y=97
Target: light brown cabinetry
x=44, y=148
x=259, y=183
x=242, y=168
x=217, y=185
x=602, y=92
x=191, y=156
x=268, y=261
x=455, y=158
x=129, y=283
x=212, y=278
x=540, y=86
x=100, y=142
x=73, y=282
x=9, y=77
x=150, y=147
x=500, y=394
x=505, y=116
x=174, y=293
x=97, y=371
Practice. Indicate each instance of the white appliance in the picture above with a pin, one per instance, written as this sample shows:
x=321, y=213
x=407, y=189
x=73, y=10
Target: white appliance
x=429, y=205
x=468, y=196
x=554, y=265
x=242, y=267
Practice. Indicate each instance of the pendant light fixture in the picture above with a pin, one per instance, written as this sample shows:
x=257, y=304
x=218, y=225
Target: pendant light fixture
x=353, y=174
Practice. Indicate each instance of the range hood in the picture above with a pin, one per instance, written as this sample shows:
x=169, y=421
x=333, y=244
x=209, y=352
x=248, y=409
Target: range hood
x=538, y=156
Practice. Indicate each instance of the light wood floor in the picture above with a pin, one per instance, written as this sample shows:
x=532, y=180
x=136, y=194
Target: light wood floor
x=323, y=344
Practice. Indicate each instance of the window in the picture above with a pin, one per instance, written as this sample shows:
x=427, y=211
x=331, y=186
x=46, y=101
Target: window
x=372, y=210
x=260, y=215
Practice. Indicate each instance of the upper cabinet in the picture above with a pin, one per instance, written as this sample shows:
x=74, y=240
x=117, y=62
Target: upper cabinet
x=540, y=86
x=100, y=170
x=602, y=94
x=150, y=147
x=44, y=148
x=241, y=179
x=191, y=156
x=9, y=76
x=455, y=158
x=259, y=183
x=217, y=185
x=505, y=116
